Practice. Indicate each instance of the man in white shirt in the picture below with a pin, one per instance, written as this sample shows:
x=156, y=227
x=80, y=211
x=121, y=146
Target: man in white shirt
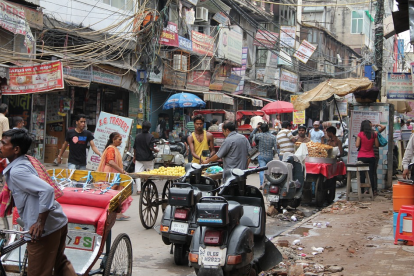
x=339, y=130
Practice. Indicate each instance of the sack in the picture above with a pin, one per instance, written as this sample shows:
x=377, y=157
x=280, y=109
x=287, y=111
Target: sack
x=382, y=141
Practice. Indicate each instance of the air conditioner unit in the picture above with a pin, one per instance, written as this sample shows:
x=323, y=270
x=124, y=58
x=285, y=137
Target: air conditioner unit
x=201, y=14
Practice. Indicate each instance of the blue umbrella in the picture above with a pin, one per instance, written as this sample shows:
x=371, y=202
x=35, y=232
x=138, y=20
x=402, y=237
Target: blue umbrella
x=184, y=100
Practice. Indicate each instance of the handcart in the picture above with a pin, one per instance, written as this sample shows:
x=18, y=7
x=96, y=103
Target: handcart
x=91, y=206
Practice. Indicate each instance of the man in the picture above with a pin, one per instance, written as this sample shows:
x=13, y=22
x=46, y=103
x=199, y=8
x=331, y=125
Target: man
x=165, y=128
x=246, y=125
x=4, y=122
x=200, y=140
x=285, y=139
x=18, y=122
x=276, y=122
x=339, y=130
x=214, y=125
x=143, y=152
x=184, y=139
x=186, y=117
x=234, y=151
x=267, y=146
x=316, y=135
x=409, y=126
x=42, y=215
x=302, y=135
x=78, y=139
x=333, y=140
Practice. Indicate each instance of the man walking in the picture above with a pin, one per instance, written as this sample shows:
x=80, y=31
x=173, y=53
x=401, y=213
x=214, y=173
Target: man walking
x=41, y=213
x=78, y=139
x=200, y=140
x=285, y=139
x=143, y=152
x=234, y=151
x=267, y=148
x=4, y=122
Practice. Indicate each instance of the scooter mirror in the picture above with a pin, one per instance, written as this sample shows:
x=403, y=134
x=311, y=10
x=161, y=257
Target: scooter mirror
x=195, y=166
x=237, y=172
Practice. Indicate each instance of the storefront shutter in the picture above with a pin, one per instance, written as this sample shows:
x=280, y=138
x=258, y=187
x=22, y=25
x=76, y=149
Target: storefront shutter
x=158, y=99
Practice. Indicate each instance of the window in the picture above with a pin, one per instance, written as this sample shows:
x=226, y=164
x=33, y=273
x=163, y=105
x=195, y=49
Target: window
x=313, y=36
x=261, y=56
x=121, y=4
x=360, y=22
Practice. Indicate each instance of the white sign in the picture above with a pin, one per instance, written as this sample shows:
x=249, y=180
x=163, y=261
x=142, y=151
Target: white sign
x=355, y=125
x=101, y=76
x=288, y=81
x=287, y=36
x=106, y=124
x=304, y=51
x=230, y=44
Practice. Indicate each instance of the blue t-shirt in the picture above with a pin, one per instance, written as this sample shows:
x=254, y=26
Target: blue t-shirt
x=316, y=136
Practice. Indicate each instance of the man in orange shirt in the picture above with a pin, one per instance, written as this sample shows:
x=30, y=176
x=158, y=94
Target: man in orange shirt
x=200, y=140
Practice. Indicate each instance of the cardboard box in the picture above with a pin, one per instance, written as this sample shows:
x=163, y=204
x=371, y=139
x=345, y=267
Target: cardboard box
x=65, y=154
x=51, y=152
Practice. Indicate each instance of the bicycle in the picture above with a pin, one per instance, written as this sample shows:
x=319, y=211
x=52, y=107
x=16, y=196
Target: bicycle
x=6, y=249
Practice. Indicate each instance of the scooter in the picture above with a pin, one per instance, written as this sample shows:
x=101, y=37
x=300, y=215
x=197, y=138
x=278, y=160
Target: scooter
x=178, y=222
x=285, y=183
x=230, y=237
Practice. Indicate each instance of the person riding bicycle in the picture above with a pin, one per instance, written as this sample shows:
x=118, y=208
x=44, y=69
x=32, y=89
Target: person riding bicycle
x=35, y=201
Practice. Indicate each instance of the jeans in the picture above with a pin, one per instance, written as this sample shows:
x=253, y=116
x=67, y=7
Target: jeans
x=262, y=163
x=76, y=167
x=371, y=173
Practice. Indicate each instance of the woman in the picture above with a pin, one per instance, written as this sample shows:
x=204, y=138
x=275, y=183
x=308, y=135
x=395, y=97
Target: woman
x=366, y=140
x=111, y=162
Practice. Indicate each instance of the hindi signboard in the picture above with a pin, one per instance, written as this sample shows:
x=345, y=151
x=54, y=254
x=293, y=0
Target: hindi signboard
x=304, y=51
x=202, y=44
x=105, y=77
x=198, y=80
x=185, y=43
x=221, y=18
x=241, y=71
x=106, y=124
x=399, y=86
x=287, y=36
x=266, y=39
x=230, y=84
x=83, y=74
x=169, y=35
x=288, y=81
x=298, y=116
x=33, y=79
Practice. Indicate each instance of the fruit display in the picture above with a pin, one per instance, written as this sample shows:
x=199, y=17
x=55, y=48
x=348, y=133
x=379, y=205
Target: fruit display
x=318, y=150
x=170, y=171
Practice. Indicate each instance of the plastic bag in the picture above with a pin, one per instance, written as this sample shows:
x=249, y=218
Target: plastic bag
x=214, y=170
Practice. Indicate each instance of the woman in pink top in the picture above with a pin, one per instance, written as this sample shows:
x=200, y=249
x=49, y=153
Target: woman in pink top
x=365, y=142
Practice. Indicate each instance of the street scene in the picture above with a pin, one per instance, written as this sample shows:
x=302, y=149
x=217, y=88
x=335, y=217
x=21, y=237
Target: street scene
x=206, y=137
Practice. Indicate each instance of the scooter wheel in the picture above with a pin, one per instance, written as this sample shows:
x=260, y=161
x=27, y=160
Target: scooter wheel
x=180, y=254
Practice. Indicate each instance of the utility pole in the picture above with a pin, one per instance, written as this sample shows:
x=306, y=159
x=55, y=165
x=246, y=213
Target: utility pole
x=379, y=42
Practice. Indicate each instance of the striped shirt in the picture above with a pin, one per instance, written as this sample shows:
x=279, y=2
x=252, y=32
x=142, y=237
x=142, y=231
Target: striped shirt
x=283, y=141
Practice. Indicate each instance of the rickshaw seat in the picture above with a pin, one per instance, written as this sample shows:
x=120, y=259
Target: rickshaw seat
x=83, y=214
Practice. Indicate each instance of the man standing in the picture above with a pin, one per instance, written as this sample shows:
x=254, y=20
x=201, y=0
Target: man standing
x=165, y=128
x=18, y=122
x=78, y=139
x=316, y=135
x=285, y=139
x=200, y=140
x=339, y=130
x=333, y=140
x=143, y=152
x=234, y=151
x=267, y=148
x=214, y=125
x=4, y=122
x=41, y=213
x=302, y=135
x=184, y=139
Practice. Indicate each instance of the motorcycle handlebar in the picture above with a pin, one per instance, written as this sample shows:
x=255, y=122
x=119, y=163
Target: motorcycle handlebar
x=255, y=170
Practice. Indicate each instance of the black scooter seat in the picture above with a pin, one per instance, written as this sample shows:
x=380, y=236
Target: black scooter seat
x=235, y=212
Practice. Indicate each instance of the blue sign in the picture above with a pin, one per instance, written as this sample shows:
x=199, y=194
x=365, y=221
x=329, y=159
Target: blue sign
x=369, y=72
x=400, y=49
x=185, y=43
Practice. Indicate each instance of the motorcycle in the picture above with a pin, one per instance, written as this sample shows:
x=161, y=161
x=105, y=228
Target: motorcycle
x=285, y=183
x=178, y=222
x=170, y=153
x=230, y=237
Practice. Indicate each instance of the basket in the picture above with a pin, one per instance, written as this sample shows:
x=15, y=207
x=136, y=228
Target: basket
x=167, y=157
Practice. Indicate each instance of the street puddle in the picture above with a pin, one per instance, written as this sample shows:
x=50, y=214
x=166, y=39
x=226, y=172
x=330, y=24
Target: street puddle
x=303, y=231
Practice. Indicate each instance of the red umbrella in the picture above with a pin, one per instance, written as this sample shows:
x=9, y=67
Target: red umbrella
x=278, y=107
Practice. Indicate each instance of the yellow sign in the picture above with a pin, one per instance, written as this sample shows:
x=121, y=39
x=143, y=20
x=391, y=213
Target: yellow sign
x=298, y=116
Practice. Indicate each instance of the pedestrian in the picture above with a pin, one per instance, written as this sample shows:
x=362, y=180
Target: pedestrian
x=267, y=148
x=316, y=134
x=408, y=125
x=339, y=130
x=252, y=137
x=165, y=128
x=184, y=139
x=246, y=125
x=234, y=151
x=333, y=140
x=111, y=162
x=380, y=128
x=144, y=148
x=214, y=125
x=78, y=139
x=186, y=117
x=301, y=137
x=276, y=123
x=18, y=122
x=35, y=200
x=200, y=140
x=4, y=122
x=365, y=142
x=285, y=139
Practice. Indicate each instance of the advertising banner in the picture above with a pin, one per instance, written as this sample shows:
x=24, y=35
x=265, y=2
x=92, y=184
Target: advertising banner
x=304, y=51
x=343, y=108
x=83, y=74
x=169, y=35
x=33, y=79
x=266, y=39
x=399, y=86
x=221, y=18
x=287, y=36
x=288, y=81
x=185, y=43
x=221, y=72
x=241, y=71
x=105, y=77
x=198, y=80
x=202, y=44
x=106, y=124
x=230, y=84
x=230, y=44
x=298, y=116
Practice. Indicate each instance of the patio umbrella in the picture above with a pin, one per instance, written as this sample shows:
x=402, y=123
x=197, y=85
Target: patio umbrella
x=278, y=107
x=184, y=100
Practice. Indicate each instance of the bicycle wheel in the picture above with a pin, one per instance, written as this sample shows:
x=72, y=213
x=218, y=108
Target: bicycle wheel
x=119, y=262
x=148, y=205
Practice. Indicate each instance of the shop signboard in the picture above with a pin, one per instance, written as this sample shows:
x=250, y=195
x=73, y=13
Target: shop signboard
x=198, y=80
x=230, y=84
x=260, y=73
x=83, y=74
x=221, y=18
x=221, y=72
x=241, y=71
x=202, y=44
x=270, y=74
x=284, y=58
x=266, y=39
x=105, y=77
x=298, y=116
x=169, y=35
x=185, y=44
x=305, y=51
x=287, y=36
x=173, y=79
x=288, y=81
x=33, y=17
x=106, y=124
x=33, y=79
x=399, y=86
x=254, y=89
x=343, y=108
x=230, y=44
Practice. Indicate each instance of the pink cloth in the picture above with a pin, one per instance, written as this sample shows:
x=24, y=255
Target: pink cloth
x=367, y=146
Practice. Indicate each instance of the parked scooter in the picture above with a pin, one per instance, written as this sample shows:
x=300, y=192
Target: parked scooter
x=285, y=183
x=178, y=222
x=230, y=237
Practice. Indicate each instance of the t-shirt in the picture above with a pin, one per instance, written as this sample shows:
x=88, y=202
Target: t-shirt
x=234, y=151
x=339, y=131
x=367, y=146
x=163, y=129
x=143, y=145
x=77, y=146
x=316, y=136
x=283, y=140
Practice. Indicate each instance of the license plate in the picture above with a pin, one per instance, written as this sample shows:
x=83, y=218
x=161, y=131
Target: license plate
x=273, y=198
x=212, y=256
x=179, y=227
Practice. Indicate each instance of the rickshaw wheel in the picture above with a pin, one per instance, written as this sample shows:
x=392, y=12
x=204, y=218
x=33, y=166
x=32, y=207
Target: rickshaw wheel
x=148, y=207
x=166, y=193
x=119, y=262
x=23, y=271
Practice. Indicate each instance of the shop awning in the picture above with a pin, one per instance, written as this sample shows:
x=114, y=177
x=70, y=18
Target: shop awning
x=218, y=98
x=255, y=102
x=326, y=89
x=264, y=99
x=73, y=81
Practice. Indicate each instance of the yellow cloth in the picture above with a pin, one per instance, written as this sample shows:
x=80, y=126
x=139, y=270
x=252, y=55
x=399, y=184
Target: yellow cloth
x=199, y=147
x=103, y=165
